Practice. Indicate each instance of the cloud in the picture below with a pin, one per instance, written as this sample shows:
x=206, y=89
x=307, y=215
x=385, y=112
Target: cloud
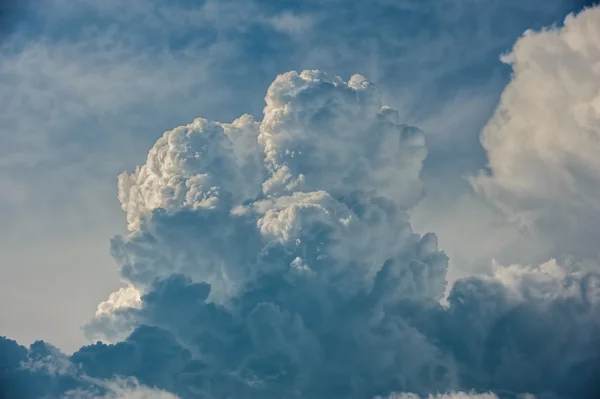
x=86, y=87
x=272, y=259
x=543, y=140
x=121, y=390
x=42, y=371
x=126, y=297
x=453, y=395
x=228, y=256
x=304, y=119
x=193, y=167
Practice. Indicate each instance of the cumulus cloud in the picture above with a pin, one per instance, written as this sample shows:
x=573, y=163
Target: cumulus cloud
x=319, y=133
x=119, y=389
x=42, y=371
x=183, y=167
x=126, y=297
x=543, y=141
x=454, y=395
x=104, y=78
x=275, y=259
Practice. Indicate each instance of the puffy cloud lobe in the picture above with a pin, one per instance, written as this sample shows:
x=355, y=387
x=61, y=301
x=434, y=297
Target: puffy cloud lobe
x=315, y=286
x=200, y=165
x=325, y=134
x=539, y=322
x=126, y=297
x=543, y=141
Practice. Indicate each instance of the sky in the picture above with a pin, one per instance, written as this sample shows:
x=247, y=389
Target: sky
x=299, y=199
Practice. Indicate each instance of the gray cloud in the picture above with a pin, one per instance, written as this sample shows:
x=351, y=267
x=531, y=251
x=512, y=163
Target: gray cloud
x=79, y=79
x=311, y=286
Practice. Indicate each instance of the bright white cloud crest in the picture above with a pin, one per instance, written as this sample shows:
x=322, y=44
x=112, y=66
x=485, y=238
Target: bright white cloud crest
x=194, y=166
x=544, y=139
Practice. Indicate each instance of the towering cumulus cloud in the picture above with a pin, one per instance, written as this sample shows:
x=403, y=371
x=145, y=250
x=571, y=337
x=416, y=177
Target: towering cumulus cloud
x=275, y=259
x=544, y=140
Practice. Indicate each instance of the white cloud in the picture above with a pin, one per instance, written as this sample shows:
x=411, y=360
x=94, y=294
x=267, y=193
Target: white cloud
x=197, y=165
x=544, y=139
x=321, y=133
x=453, y=395
x=120, y=389
x=125, y=298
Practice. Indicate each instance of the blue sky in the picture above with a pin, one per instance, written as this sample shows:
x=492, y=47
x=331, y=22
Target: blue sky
x=87, y=88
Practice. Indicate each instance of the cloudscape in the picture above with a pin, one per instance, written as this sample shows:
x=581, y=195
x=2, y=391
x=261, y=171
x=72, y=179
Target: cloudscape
x=292, y=252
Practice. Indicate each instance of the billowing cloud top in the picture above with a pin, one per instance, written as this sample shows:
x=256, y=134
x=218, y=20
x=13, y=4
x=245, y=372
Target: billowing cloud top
x=194, y=166
x=544, y=139
x=313, y=184
x=275, y=259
